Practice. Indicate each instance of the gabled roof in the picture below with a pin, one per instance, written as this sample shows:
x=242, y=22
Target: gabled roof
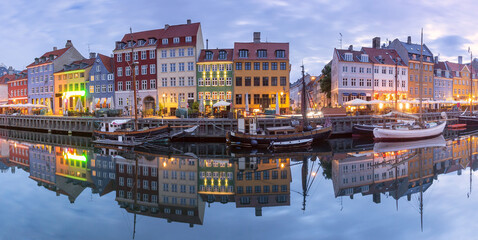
x=7, y=77
x=456, y=66
x=355, y=55
x=215, y=55
x=107, y=62
x=253, y=47
x=77, y=65
x=415, y=49
x=56, y=53
x=383, y=56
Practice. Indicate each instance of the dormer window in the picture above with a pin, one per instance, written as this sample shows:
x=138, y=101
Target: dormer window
x=280, y=54
x=129, y=44
x=222, y=55
x=262, y=53
x=141, y=42
x=348, y=56
x=208, y=55
x=364, y=58
x=176, y=40
x=189, y=39
x=243, y=53
x=151, y=41
x=165, y=41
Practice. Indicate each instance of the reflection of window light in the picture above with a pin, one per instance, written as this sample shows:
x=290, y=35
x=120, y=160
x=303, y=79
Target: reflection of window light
x=76, y=157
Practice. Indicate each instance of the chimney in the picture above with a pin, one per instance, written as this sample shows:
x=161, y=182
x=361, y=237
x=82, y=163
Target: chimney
x=207, y=43
x=436, y=59
x=188, y=21
x=92, y=55
x=55, y=48
x=166, y=26
x=460, y=59
x=68, y=44
x=409, y=40
x=376, y=42
x=351, y=47
x=10, y=70
x=257, y=37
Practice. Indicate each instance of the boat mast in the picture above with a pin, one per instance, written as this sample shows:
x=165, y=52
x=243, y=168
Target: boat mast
x=303, y=106
x=421, y=78
x=133, y=69
x=421, y=189
x=396, y=84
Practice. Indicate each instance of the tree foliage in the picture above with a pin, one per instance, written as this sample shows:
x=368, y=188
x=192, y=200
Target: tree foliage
x=325, y=82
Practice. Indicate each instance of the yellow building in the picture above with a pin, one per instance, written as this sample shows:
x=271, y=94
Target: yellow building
x=261, y=72
x=70, y=90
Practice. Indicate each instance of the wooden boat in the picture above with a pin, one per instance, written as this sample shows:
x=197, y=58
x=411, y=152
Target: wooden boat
x=301, y=143
x=469, y=120
x=118, y=130
x=399, y=118
x=263, y=139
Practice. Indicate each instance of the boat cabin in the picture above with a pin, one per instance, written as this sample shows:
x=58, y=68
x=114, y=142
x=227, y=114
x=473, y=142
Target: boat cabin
x=113, y=126
x=281, y=130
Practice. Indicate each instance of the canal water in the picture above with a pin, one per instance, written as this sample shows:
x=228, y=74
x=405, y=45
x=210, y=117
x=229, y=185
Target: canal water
x=342, y=189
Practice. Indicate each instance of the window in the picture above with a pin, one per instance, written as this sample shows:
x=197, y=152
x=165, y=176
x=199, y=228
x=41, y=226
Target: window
x=127, y=71
x=127, y=57
x=152, y=84
x=135, y=56
x=228, y=81
x=152, y=69
x=390, y=83
x=265, y=66
x=120, y=86
x=128, y=85
x=144, y=84
x=190, y=66
x=274, y=66
x=345, y=82
x=283, y=66
x=257, y=81
x=164, y=82
x=119, y=57
x=143, y=55
x=247, y=66
x=173, y=82
x=207, y=82
x=172, y=52
x=228, y=95
x=247, y=81
x=243, y=53
x=189, y=39
x=172, y=67
x=221, y=81
x=384, y=83
x=190, y=52
x=238, y=98
x=238, y=66
x=181, y=67
x=283, y=81
x=257, y=100
x=273, y=81
x=120, y=71
x=176, y=40
x=222, y=55
x=280, y=54
x=369, y=82
x=110, y=87
x=181, y=81
x=164, y=67
x=165, y=41
x=152, y=54
x=238, y=81
x=144, y=69
x=164, y=54
x=257, y=66
x=208, y=55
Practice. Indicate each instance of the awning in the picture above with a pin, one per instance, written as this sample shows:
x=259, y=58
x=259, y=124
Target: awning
x=354, y=94
x=362, y=94
x=345, y=94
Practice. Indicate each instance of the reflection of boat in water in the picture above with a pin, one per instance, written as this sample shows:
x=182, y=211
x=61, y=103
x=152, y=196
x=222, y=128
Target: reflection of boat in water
x=408, y=145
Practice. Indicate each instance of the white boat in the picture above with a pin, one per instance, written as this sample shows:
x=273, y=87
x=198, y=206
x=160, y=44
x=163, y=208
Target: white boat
x=381, y=147
x=409, y=133
x=292, y=143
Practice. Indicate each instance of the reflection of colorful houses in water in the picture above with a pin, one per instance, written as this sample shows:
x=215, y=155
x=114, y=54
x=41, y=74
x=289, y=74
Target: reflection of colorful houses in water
x=20, y=155
x=166, y=188
x=216, y=180
x=262, y=182
x=43, y=165
x=103, y=170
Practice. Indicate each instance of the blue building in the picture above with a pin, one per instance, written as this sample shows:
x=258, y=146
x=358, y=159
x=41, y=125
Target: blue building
x=100, y=86
x=40, y=74
x=43, y=165
x=103, y=167
x=442, y=82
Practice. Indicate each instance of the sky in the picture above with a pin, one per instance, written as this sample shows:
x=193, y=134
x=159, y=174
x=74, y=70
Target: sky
x=312, y=27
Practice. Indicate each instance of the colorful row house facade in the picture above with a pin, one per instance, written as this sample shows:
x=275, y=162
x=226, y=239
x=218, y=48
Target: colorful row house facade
x=214, y=77
x=18, y=88
x=70, y=86
x=261, y=72
x=40, y=74
x=100, y=83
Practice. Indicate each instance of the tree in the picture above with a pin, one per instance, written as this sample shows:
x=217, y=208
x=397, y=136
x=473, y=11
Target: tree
x=325, y=81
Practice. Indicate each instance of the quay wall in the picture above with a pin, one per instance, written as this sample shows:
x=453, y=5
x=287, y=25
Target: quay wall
x=208, y=128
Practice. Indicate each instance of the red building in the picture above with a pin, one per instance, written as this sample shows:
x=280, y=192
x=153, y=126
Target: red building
x=18, y=88
x=20, y=155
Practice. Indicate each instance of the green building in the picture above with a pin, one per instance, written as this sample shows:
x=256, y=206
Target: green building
x=214, y=76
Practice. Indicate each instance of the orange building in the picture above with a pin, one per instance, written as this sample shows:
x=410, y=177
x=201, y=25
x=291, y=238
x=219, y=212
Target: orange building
x=261, y=72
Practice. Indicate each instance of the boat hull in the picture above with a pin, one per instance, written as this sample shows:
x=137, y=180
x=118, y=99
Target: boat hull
x=264, y=141
x=140, y=135
x=382, y=134
x=363, y=130
x=468, y=120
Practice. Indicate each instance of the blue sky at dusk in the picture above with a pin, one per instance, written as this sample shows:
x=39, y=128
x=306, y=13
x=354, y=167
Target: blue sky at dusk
x=312, y=27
